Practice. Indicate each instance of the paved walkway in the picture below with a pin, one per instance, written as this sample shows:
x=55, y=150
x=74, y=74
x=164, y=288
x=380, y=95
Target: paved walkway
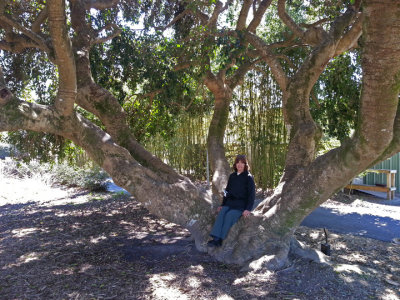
x=377, y=218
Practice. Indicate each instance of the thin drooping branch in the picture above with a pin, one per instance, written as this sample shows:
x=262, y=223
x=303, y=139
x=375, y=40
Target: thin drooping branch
x=175, y=19
x=116, y=32
x=35, y=38
x=64, y=57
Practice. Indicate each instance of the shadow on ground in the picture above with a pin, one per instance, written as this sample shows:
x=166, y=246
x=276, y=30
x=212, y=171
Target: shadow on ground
x=110, y=247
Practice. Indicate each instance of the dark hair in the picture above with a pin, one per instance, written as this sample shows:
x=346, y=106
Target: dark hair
x=243, y=159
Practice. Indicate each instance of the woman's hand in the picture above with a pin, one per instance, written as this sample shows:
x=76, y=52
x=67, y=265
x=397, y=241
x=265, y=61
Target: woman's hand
x=246, y=213
x=219, y=208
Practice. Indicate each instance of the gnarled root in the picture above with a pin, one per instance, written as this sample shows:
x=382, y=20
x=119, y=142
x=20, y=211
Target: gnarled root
x=269, y=262
x=300, y=250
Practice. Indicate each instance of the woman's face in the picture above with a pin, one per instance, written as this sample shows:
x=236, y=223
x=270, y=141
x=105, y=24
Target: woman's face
x=240, y=166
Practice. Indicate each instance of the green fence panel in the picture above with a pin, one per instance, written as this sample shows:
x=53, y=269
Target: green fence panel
x=392, y=163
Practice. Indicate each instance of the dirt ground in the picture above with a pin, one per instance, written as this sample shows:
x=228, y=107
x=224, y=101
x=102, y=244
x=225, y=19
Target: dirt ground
x=58, y=243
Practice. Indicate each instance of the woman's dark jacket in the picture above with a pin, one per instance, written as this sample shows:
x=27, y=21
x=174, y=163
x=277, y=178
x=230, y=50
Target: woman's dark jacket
x=240, y=191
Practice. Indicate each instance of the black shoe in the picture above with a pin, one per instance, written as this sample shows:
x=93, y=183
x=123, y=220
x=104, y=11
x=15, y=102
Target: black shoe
x=214, y=243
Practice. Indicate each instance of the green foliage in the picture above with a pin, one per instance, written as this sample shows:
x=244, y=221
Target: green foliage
x=90, y=178
x=186, y=149
x=326, y=144
x=169, y=109
x=93, y=179
x=30, y=146
x=30, y=75
x=339, y=91
x=255, y=128
x=36, y=145
x=314, y=10
x=139, y=71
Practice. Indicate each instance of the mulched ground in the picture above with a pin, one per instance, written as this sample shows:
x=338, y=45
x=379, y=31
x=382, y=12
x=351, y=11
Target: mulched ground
x=107, y=246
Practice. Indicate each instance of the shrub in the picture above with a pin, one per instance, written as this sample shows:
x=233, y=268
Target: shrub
x=93, y=178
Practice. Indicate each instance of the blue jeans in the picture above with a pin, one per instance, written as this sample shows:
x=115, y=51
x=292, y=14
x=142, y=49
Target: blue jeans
x=226, y=218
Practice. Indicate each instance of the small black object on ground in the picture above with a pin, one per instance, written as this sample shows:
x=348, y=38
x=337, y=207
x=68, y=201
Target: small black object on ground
x=326, y=248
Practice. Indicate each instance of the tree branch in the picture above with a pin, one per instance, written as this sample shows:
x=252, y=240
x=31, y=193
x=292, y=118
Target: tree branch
x=340, y=23
x=283, y=15
x=97, y=40
x=258, y=15
x=312, y=36
x=104, y=105
x=350, y=38
x=182, y=66
x=40, y=43
x=100, y=4
x=326, y=48
x=19, y=43
x=315, y=98
x=244, y=12
x=319, y=22
x=2, y=80
x=269, y=58
x=39, y=20
x=238, y=77
x=5, y=94
x=176, y=19
x=219, y=8
x=64, y=57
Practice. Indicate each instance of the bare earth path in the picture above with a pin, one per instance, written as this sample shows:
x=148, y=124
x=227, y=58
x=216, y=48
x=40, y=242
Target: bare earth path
x=58, y=243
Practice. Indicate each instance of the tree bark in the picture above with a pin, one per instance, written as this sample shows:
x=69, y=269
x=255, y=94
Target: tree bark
x=103, y=104
x=314, y=180
x=179, y=202
x=215, y=142
x=215, y=145
x=264, y=239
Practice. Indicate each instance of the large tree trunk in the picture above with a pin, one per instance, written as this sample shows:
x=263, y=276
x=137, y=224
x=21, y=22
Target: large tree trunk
x=180, y=202
x=264, y=239
x=215, y=145
x=215, y=142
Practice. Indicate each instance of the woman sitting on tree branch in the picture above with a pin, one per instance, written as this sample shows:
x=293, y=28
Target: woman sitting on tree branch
x=238, y=201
